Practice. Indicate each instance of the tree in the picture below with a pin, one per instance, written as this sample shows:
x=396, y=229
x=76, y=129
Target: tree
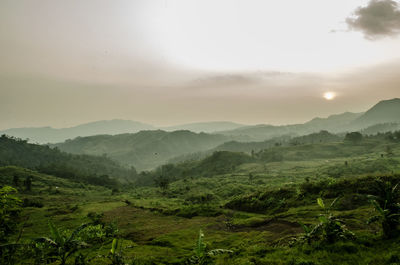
x=28, y=183
x=162, y=182
x=353, y=137
x=16, y=181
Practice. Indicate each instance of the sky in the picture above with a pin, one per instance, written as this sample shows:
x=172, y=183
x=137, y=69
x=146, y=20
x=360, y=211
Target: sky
x=166, y=62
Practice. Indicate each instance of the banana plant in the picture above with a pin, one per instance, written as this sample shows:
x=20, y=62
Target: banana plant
x=329, y=229
x=387, y=205
x=61, y=246
x=203, y=256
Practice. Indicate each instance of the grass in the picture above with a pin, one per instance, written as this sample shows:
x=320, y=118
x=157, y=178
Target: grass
x=161, y=227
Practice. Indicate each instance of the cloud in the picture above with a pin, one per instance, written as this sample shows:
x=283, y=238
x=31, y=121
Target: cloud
x=241, y=79
x=380, y=18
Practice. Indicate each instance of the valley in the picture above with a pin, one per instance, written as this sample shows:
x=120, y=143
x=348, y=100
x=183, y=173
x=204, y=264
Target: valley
x=253, y=202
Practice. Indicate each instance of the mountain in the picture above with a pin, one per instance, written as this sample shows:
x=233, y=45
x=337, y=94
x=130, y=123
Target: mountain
x=143, y=150
x=386, y=111
x=207, y=127
x=51, y=135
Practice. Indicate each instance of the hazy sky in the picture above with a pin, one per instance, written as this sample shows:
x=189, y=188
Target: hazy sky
x=167, y=62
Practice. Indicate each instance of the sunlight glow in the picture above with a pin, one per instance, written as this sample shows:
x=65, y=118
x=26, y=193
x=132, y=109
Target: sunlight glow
x=329, y=95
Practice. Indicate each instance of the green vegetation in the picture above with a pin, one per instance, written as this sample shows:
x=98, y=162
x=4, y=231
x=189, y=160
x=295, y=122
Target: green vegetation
x=83, y=168
x=144, y=150
x=387, y=205
x=10, y=208
x=306, y=200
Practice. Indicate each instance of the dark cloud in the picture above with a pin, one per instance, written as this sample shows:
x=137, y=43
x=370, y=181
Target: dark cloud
x=380, y=18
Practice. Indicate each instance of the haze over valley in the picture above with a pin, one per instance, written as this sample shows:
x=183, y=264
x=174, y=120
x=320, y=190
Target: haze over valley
x=199, y=132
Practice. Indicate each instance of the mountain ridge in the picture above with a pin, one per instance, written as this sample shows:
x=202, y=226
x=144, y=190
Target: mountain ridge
x=385, y=111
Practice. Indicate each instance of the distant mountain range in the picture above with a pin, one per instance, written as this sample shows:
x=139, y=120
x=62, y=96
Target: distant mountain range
x=387, y=111
x=44, y=135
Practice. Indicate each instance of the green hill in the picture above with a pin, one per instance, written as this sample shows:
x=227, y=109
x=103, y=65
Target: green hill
x=84, y=168
x=143, y=150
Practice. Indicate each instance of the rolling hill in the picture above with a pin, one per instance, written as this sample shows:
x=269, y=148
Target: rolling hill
x=144, y=150
x=96, y=170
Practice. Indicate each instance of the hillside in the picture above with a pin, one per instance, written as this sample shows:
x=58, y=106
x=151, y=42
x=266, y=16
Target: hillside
x=45, y=135
x=144, y=150
x=83, y=168
x=334, y=123
x=263, y=210
x=320, y=137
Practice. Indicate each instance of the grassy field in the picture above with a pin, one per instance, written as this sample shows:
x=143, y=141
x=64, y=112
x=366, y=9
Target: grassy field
x=256, y=211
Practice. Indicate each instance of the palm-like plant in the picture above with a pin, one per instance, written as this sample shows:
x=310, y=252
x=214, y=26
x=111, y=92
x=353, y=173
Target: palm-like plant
x=203, y=256
x=387, y=205
x=330, y=228
x=61, y=246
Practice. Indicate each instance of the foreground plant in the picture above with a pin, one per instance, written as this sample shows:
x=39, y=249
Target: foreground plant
x=61, y=245
x=116, y=256
x=202, y=255
x=387, y=205
x=330, y=228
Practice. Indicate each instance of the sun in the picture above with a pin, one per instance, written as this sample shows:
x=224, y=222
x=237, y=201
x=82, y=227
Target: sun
x=329, y=95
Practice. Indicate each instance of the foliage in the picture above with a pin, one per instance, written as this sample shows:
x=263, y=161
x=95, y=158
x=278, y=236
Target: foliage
x=10, y=207
x=387, y=205
x=260, y=202
x=329, y=229
x=353, y=137
x=61, y=245
x=162, y=182
x=82, y=168
x=116, y=255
